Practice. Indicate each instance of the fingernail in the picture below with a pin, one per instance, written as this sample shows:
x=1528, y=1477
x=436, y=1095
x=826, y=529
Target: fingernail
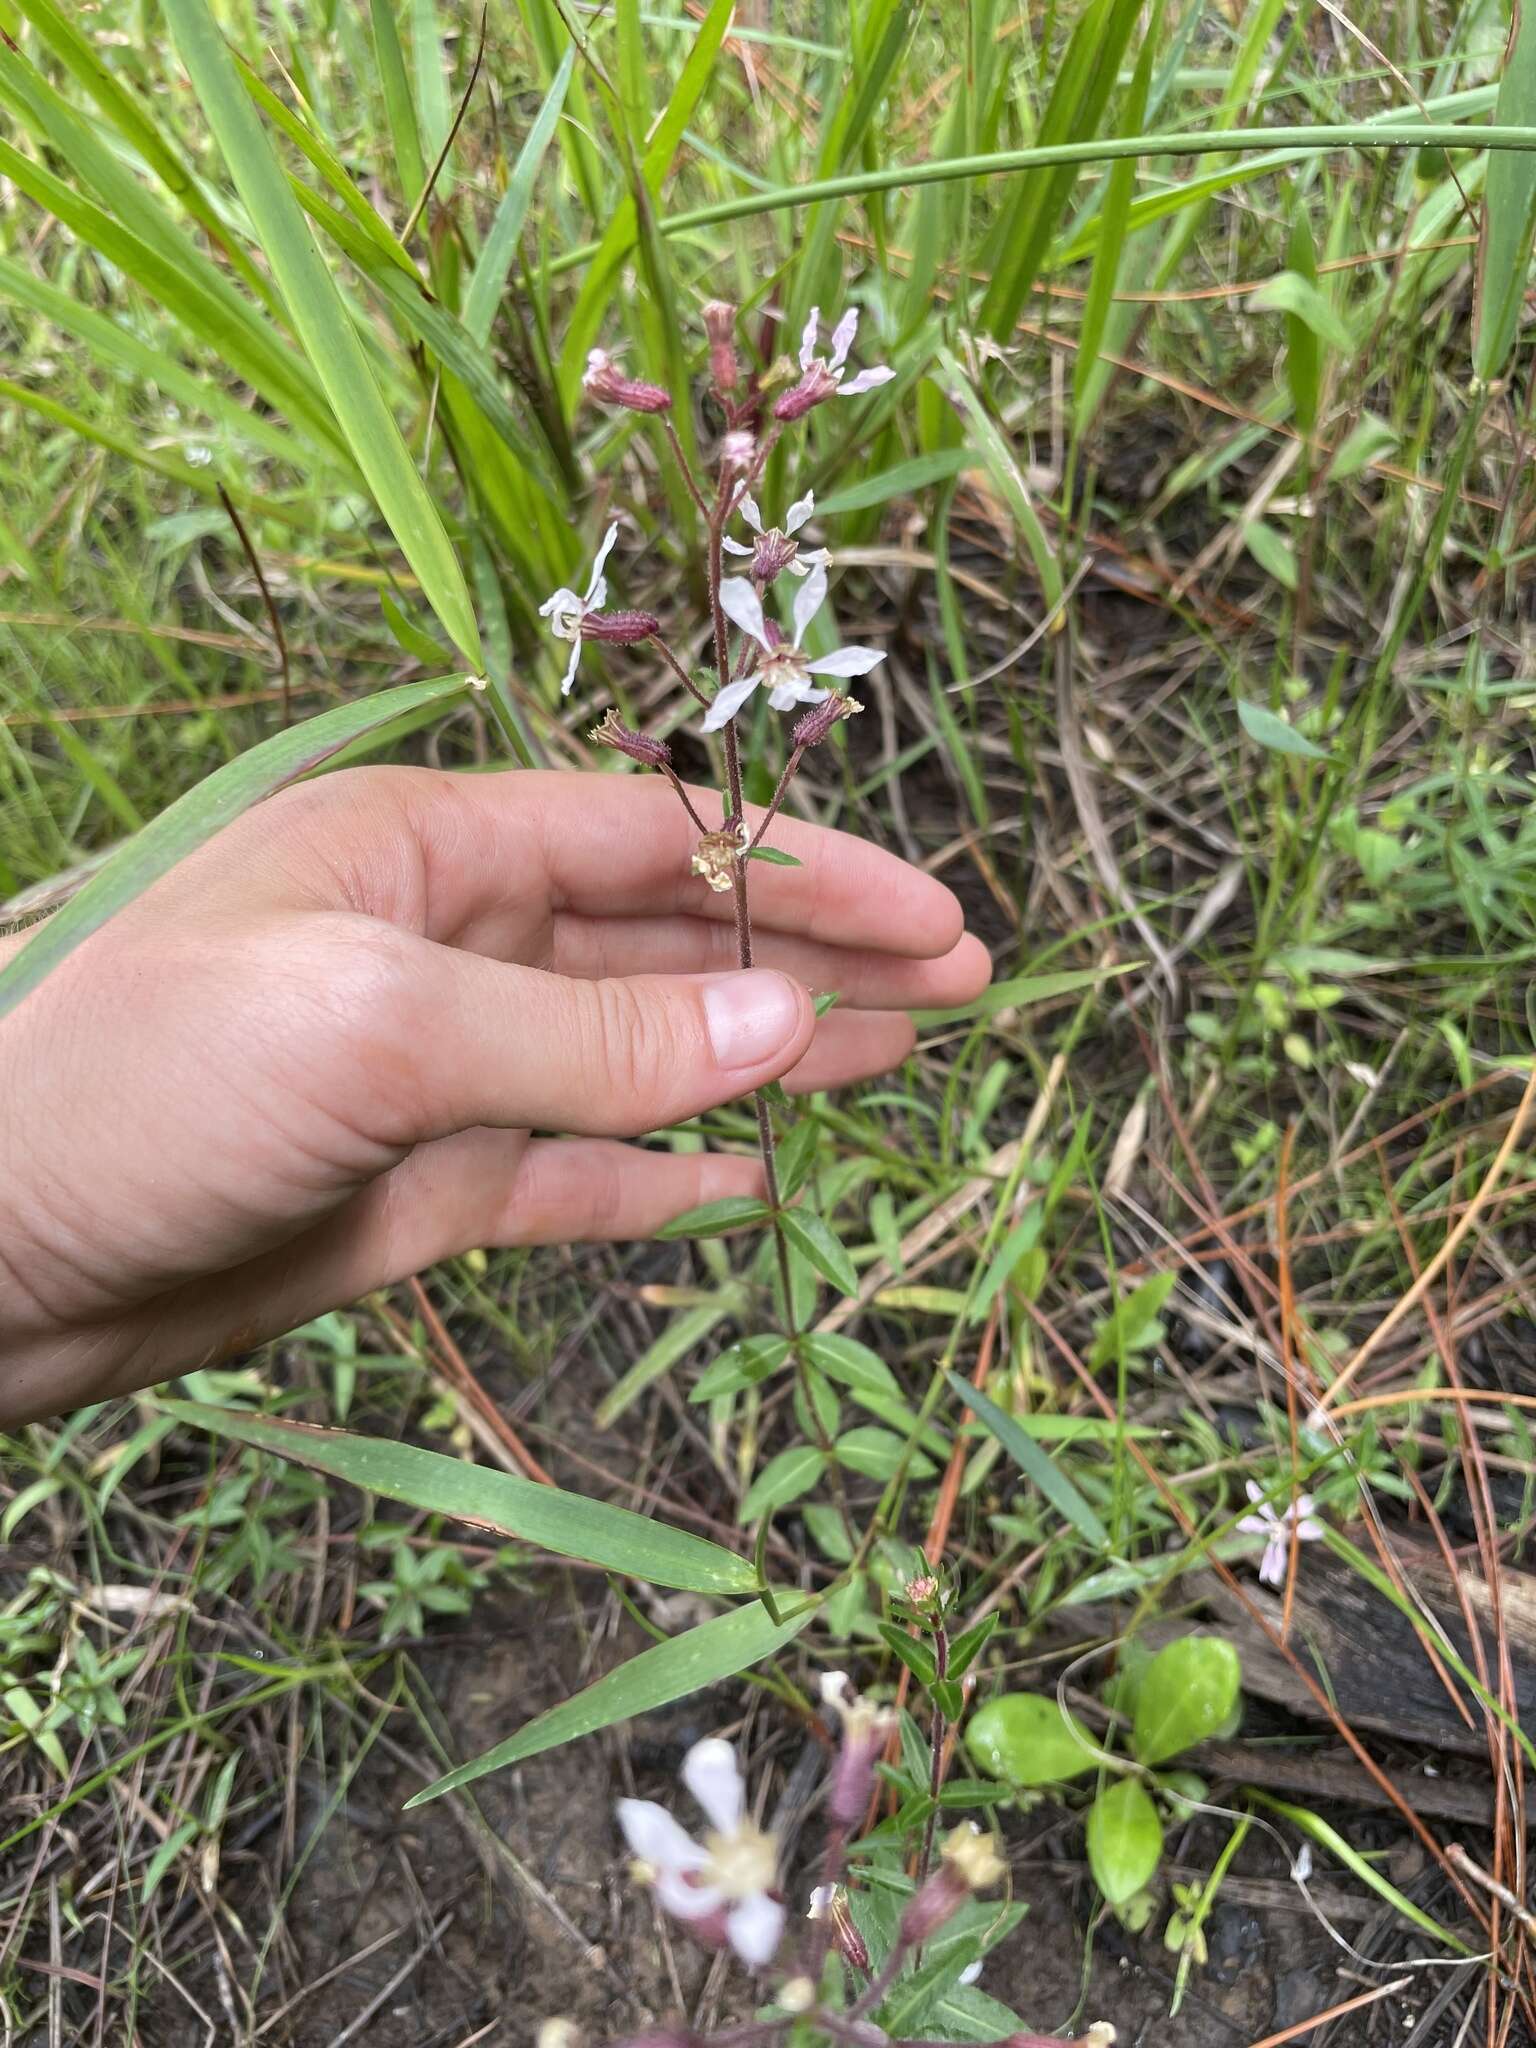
x=749, y=1017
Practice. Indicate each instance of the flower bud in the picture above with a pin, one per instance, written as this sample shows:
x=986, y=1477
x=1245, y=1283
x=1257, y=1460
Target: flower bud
x=603, y=383
x=639, y=746
x=813, y=728
x=720, y=326
x=921, y=1591
x=798, y=1995
x=559, y=2033
x=815, y=387
x=624, y=628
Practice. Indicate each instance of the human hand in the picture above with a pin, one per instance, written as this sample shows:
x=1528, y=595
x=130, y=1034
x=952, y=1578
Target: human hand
x=307, y=1062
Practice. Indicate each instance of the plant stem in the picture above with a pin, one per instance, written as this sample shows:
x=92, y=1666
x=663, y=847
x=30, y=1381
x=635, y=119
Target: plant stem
x=936, y=1738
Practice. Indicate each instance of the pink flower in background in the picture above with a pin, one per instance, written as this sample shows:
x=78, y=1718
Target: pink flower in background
x=1277, y=1530
x=723, y=1886
x=822, y=377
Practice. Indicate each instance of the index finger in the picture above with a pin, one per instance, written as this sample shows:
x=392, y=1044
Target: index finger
x=461, y=855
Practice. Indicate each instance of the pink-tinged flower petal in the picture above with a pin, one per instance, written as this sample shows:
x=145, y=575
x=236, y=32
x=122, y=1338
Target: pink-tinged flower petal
x=799, y=512
x=1255, y=1493
x=568, y=680
x=686, y=1901
x=562, y=605
x=1272, y=1565
x=1300, y=1507
x=713, y=1776
x=808, y=336
x=748, y=510
x=754, y=1928
x=597, y=589
x=1257, y=1525
x=656, y=1838
x=842, y=338
x=809, y=599
x=733, y=547
x=1309, y=1529
x=809, y=559
x=728, y=702
x=866, y=380
x=743, y=607
x=848, y=661
x=785, y=696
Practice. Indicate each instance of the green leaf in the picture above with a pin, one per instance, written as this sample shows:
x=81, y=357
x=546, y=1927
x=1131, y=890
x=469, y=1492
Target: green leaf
x=1125, y=1839
x=966, y=1648
x=998, y=458
x=1024, y=1738
x=1509, y=208
x=797, y=1157
x=203, y=811
x=740, y=1365
x=1114, y=216
x=774, y=857
x=1273, y=553
x=852, y=1364
x=714, y=1219
x=877, y=1453
x=913, y=1651
x=1034, y=1463
x=816, y=1242
x=322, y=322
x=1303, y=300
x=1023, y=989
x=1272, y=731
x=1329, y=1838
x=1132, y=1324
x=565, y=1523
x=782, y=1480
x=495, y=261
x=898, y=482
x=686, y=1664
x=675, y=1342
x=1187, y=1694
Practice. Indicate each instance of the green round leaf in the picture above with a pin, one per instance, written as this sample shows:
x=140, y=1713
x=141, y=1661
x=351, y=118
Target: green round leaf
x=1023, y=1738
x=1188, y=1695
x=1125, y=1839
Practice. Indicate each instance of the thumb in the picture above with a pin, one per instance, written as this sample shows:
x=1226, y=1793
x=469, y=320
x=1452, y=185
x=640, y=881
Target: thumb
x=489, y=1043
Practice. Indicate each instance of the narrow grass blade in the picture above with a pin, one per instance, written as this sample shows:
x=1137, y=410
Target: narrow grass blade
x=998, y=459
x=597, y=286
x=703, y=1656
x=399, y=106
x=1328, y=1838
x=496, y=257
x=1509, y=209
x=1038, y=1468
x=1120, y=188
x=675, y=1342
x=323, y=323
x=1022, y=989
x=566, y=1523
x=198, y=815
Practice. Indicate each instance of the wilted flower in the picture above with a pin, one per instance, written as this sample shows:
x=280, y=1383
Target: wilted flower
x=968, y=1862
x=813, y=728
x=922, y=1590
x=722, y=1887
x=715, y=856
x=784, y=668
x=830, y=1902
x=822, y=378
x=775, y=550
x=865, y=1728
x=604, y=382
x=613, y=732
x=1278, y=1529
x=720, y=325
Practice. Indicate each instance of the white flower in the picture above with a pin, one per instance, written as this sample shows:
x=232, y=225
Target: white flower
x=822, y=377
x=1277, y=1530
x=783, y=666
x=566, y=612
x=728, y=1878
x=772, y=549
